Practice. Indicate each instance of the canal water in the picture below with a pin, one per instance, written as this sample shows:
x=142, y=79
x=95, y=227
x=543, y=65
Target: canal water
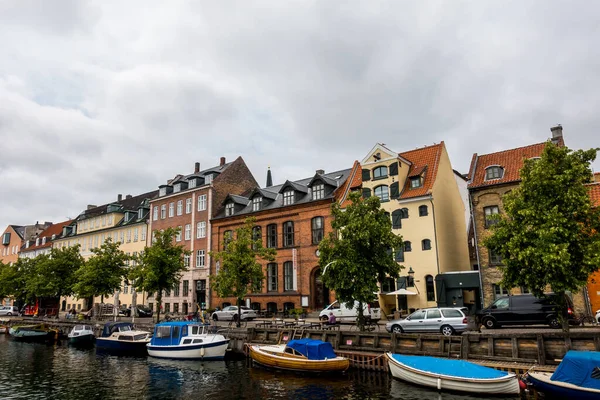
x=40, y=371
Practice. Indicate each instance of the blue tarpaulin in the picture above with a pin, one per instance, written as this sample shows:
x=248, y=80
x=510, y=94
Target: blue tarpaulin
x=449, y=367
x=313, y=349
x=581, y=368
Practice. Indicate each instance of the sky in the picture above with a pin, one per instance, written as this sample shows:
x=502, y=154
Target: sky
x=105, y=97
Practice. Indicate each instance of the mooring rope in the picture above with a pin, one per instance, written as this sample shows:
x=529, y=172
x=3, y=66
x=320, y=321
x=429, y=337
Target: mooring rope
x=364, y=362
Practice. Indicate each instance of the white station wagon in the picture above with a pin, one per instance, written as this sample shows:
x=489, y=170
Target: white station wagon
x=231, y=313
x=446, y=321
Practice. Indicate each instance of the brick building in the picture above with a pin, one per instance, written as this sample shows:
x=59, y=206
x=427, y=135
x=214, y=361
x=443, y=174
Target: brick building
x=292, y=218
x=594, y=281
x=189, y=202
x=43, y=242
x=491, y=176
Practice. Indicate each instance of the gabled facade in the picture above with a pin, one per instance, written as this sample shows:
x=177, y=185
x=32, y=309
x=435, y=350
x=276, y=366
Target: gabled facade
x=189, y=202
x=13, y=238
x=491, y=176
x=124, y=221
x=292, y=218
x=419, y=190
x=43, y=242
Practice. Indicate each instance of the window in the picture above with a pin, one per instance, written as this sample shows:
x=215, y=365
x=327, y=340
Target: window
x=407, y=246
x=143, y=233
x=416, y=182
x=272, y=277
x=135, y=234
x=140, y=215
x=380, y=172
x=228, y=209
x=256, y=235
x=178, y=235
x=167, y=292
x=186, y=260
x=180, y=207
x=186, y=287
x=191, y=183
x=399, y=255
x=288, y=197
x=495, y=258
x=128, y=236
x=499, y=291
x=494, y=172
x=162, y=191
x=227, y=237
x=163, y=211
x=208, y=179
x=171, y=210
x=489, y=215
x=288, y=276
x=404, y=213
x=176, y=310
x=318, y=230
x=176, y=290
x=257, y=203
x=201, y=230
x=382, y=192
x=452, y=313
x=288, y=234
x=155, y=213
x=272, y=236
x=122, y=237
x=434, y=314
x=202, y=202
x=167, y=307
x=318, y=191
x=417, y=315
x=188, y=205
x=188, y=232
x=426, y=244
x=396, y=219
x=423, y=211
x=200, y=259
x=430, y=289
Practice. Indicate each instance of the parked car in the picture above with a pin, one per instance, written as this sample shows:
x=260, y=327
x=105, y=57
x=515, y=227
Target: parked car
x=598, y=316
x=9, y=311
x=142, y=311
x=343, y=313
x=446, y=321
x=231, y=313
x=526, y=309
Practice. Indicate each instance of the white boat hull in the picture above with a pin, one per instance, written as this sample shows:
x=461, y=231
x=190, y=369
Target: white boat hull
x=505, y=385
x=206, y=351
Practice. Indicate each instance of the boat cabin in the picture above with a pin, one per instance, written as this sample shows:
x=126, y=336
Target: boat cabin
x=176, y=333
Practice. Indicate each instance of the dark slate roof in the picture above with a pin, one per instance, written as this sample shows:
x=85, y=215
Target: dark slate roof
x=20, y=230
x=131, y=204
x=185, y=178
x=275, y=193
x=238, y=199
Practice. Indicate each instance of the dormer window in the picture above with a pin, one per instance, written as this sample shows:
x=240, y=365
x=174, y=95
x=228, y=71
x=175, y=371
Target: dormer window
x=494, y=172
x=229, y=209
x=53, y=236
x=318, y=191
x=208, y=178
x=288, y=197
x=140, y=213
x=177, y=188
x=257, y=203
x=192, y=183
x=416, y=182
x=380, y=172
x=37, y=241
x=44, y=240
x=162, y=191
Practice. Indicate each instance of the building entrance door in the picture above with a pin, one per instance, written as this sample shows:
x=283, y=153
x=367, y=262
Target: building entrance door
x=320, y=293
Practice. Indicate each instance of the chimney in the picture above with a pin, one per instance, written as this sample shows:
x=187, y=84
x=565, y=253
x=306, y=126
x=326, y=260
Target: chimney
x=320, y=171
x=128, y=197
x=90, y=206
x=222, y=161
x=196, y=167
x=119, y=197
x=557, y=134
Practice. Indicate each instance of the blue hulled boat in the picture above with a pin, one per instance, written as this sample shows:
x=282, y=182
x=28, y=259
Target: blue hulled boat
x=577, y=377
x=122, y=338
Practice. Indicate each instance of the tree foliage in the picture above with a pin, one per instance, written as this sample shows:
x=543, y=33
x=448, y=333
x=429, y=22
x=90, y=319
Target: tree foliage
x=102, y=273
x=13, y=279
x=358, y=254
x=53, y=274
x=160, y=266
x=240, y=272
x=549, y=234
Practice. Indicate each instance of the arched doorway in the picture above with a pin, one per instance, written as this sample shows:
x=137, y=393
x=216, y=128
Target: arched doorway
x=319, y=292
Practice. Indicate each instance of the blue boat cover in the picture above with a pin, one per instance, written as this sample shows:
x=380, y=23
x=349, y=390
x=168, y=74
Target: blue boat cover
x=313, y=349
x=449, y=367
x=580, y=368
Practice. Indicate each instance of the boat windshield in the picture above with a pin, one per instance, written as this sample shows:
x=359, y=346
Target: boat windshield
x=140, y=337
x=78, y=328
x=125, y=328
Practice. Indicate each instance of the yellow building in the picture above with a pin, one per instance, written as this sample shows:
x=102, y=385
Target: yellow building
x=419, y=190
x=124, y=221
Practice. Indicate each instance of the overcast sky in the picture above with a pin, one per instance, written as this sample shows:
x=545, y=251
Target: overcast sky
x=105, y=97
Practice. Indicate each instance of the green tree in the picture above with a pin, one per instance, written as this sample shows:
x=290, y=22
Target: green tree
x=53, y=274
x=357, y=255
x=549, y=234
x=102, y=273
x=240, y=272
x=13, y=280
x=160, y=266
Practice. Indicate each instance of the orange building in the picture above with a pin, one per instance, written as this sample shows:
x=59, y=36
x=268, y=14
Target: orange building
x=594, y=281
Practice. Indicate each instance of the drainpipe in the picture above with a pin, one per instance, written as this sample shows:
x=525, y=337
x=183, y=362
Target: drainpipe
x=476, y=249
x=437, y=254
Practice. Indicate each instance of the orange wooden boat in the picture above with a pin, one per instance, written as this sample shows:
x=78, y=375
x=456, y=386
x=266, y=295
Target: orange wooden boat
x=304, y=355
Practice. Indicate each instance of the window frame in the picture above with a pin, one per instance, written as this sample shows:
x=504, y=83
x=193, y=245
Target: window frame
x=380, y=175
x=201, y=229
x=200, y=259
x=272, y=277
x=179, y=207
x=171, y=209
x=426, y=244
x=407, y=246
x=383, y=197
x=229, y=209
x=416, y=182
x=288, y=276
x=494, y=258
x=288, y=235
x=188, y=205
x=288, y=197
x=318, y=191
x=317, y=233
x=272, y=236
x=493, y=172
x=486, y=216
x=423, y=211
x=430, y=287
x=202, y=202
x=257, y=203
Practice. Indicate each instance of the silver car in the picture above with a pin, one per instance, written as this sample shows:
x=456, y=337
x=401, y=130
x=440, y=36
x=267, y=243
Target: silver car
x=446, y=321
x=8, y=311
x=231, y=313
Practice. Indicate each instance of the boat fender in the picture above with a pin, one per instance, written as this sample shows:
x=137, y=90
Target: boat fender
x=202, y=352
x=439, y=384
x=522, y=385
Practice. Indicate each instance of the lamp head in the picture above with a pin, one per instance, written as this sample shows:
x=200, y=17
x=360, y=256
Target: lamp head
x=411, y=273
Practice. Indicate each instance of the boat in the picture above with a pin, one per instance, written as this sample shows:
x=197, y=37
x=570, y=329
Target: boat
x=122, y=338
x=187, y=340
x=576, y=377
x=82, y=335
x=452, y=375
x=304, y=355
x=33, y=333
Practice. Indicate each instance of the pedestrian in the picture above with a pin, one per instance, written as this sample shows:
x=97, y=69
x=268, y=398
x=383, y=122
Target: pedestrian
x=332, y=320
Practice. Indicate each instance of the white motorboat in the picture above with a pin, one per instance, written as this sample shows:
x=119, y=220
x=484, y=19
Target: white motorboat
x=186, y=340
x=122, y=338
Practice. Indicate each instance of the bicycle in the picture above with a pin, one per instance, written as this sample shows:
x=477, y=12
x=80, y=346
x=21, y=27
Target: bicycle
x=588, y=319
x=369, y=326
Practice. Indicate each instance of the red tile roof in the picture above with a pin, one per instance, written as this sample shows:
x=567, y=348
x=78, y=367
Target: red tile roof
x=594, y=190
x=424, y=161
x=354, y=181
x=511, y=160
x=55, y=229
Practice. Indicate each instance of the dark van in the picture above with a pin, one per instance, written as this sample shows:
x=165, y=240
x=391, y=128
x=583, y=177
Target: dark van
x=526, y=309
